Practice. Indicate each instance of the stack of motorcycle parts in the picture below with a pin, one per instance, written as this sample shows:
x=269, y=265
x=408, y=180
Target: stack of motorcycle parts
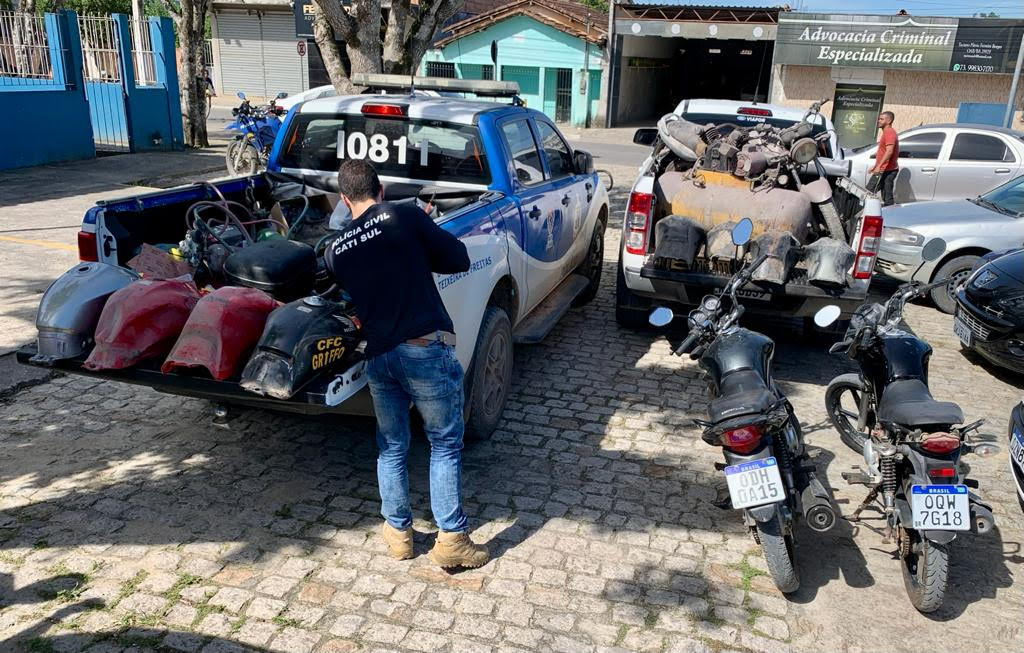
x=221, y=331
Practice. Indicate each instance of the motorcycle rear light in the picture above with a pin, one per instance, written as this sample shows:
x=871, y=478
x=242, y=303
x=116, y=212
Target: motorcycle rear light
x=744, y=439
x=940, y=443
x=383, y=110
x=942, y=472
x=751, y=111
x=638, y=221
x=87, y=247
x=870, y=237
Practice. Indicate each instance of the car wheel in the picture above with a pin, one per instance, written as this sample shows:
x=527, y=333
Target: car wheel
x=592, y=266
x=490, y=375
x=956, y=270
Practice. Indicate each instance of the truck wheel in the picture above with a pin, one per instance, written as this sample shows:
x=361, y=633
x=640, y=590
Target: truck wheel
x=630, y=310
x=956, y=270
x=592, y=265
x=490, y=374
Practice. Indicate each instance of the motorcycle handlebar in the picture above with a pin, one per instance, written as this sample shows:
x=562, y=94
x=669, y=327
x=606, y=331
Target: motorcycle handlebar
x=688, y=343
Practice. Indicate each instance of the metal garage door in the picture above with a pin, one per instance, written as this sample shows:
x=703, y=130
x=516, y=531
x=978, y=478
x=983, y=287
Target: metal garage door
x=257, y=54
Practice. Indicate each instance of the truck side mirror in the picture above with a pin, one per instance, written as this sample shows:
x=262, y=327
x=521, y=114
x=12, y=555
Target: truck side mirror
x=645, y=136
x=584, y=162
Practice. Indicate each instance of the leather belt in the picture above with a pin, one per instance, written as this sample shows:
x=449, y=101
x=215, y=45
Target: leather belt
x=430, y=338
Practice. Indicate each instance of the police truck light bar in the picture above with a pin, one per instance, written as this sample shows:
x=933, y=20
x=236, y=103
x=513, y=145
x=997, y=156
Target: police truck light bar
x=485, y=88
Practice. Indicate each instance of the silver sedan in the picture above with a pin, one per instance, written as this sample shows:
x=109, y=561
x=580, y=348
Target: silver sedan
x=948, y=161
x=989, y=222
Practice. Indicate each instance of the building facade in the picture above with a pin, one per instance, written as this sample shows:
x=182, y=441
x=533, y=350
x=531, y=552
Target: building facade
x=553, y=49
x=255, y=49
x=923, y=69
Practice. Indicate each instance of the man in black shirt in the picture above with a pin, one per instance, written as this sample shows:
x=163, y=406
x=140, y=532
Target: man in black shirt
x=385, y=259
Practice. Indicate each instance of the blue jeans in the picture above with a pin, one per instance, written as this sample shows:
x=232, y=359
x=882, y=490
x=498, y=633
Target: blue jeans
x=431, y=378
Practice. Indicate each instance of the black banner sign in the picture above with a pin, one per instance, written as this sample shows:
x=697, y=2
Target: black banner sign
x=855, y=113
x=986, y=45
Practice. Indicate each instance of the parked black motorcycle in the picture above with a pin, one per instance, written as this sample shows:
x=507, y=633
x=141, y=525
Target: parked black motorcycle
x=911, y=443
x=767, y=469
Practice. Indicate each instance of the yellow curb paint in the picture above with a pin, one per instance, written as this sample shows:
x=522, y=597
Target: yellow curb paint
x=40, y=243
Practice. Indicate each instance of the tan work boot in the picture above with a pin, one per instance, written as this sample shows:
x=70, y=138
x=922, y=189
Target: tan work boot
x=399, y=542
x=457, y=550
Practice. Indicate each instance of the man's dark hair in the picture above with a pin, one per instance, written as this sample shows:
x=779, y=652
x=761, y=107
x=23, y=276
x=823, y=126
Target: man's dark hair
x=892, y=116
x=357, y=180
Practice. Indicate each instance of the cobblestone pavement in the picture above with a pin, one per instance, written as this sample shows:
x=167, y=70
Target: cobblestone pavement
x=128, y=521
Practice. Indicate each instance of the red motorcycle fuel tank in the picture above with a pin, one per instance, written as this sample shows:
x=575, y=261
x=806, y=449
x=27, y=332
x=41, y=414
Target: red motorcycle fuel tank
x=221, y=331
x=141, y=321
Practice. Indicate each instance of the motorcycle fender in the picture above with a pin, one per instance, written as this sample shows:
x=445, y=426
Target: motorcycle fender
x=764, y=513
x=907, y=518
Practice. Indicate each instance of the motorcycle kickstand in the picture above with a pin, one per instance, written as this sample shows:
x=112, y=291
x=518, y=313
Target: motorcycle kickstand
x=868, y=500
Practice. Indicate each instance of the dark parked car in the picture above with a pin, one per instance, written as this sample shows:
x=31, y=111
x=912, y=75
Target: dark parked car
x=1017, y=450
x=989, y=315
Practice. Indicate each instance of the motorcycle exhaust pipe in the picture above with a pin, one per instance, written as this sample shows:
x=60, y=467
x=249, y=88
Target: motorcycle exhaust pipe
x=819, y=513
x=982, y=520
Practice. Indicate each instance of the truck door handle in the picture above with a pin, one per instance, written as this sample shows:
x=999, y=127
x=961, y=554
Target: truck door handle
x=1002, y=171
x=590, y=191
x=928, y=169
x=534, y=214
x=565, y=200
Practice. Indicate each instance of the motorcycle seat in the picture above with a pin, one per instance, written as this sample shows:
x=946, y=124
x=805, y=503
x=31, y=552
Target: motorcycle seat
x=742, y=392
x=909, y=403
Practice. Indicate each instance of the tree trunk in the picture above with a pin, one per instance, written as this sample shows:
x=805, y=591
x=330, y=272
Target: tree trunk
x=191, y=24
x=331, y=55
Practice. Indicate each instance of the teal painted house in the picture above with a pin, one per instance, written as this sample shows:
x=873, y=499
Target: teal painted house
x=543, y=45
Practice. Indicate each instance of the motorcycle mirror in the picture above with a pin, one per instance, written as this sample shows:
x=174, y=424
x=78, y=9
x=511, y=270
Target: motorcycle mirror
x=986, y=449
x=241, y=95
x=933, y=249
x=827, y=315
x=282, y=95
x=742, y=231
x=661, y=316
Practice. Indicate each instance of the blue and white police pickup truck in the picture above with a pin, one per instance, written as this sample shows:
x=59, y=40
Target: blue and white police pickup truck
x=531, y=211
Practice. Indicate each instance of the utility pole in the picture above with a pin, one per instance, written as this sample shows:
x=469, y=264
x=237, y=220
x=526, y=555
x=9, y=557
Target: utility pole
x=1012, y=100
x=586, y=73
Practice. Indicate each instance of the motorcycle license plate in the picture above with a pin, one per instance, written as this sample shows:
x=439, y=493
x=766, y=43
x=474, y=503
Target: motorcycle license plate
x=1017, y=448
x=962, y=331
x=940, y=507
x=755, y=483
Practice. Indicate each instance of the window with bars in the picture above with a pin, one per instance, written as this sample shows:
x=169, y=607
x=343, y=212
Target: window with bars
x=441, y=69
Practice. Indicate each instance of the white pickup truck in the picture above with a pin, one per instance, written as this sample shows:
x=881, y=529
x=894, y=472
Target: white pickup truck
x=707, y=192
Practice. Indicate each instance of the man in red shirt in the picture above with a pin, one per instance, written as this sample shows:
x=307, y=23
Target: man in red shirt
x=883, y=173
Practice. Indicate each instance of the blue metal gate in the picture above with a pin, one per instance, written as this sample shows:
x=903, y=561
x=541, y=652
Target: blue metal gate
x=101, y=69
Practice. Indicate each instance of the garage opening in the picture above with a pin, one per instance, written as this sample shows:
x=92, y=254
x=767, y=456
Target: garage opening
x=658, y=72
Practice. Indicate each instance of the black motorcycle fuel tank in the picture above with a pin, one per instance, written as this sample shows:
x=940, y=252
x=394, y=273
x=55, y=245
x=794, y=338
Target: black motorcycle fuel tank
x=301, y=340
x=900, y=355
x=741, y=349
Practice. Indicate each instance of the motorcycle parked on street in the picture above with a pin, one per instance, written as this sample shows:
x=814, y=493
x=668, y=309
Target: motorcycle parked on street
x=249, y=152
x=912, y=444
x=767, y=469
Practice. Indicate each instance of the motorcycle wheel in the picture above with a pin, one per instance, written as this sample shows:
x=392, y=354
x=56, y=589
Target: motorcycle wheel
x=926, y=573
x=842, y=399
x=777, y=548
x=242, y=162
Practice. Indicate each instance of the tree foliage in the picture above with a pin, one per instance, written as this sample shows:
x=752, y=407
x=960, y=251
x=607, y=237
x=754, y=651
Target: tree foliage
x=377, y=40
x=601, y=5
